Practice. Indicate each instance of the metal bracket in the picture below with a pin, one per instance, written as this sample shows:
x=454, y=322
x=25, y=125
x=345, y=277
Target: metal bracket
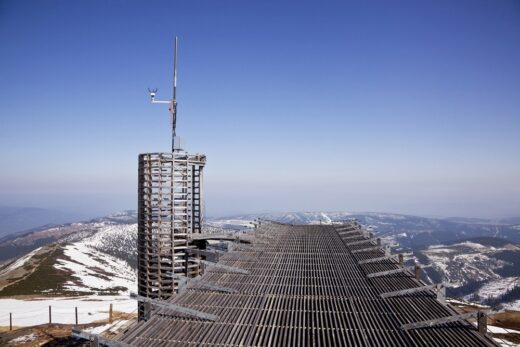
x=96, y=338
x=360, y=242
x=347, y=229
x=455, y=318
x=351, y=237
x=353, y=232
x=390, y=272
x=434, y=287
x=232, y=246
x=176, y=308
x=253, y=239
x=199, y=283
x=183, y=281
x=374, y=248
x=208, y=254
x=378, y=259
x=263, y=236
x=228, y=268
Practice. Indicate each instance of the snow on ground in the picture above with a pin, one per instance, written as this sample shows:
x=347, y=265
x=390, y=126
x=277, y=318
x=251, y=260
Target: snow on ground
x=503, y=342
x=36, y=311
x=514, y=305
x=112, y=233
x=440, y=249
x=92, y=269
x=19, y=262
x=466, y=262
x=499, y=330
x=439, y=262
x=476, y=246
x=326, y=219
x=23, y=339
x=111, y=327
x=90, y=261
x=498, y=287
x=321, y=218
x=467, y=303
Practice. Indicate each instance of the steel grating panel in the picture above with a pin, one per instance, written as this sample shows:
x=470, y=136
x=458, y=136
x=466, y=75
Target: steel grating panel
x=304, y=287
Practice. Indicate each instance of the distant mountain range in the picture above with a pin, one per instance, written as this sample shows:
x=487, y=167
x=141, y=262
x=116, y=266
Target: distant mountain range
x=481, y=257
x=14, y=219
x=410, y=231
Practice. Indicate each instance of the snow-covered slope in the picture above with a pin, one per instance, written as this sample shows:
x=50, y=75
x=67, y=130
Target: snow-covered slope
x=89, y=266
x=90, y=270
x=482, y=270
x=18, y=263
x=468, y=261
x=118, y=240
x=97, y=259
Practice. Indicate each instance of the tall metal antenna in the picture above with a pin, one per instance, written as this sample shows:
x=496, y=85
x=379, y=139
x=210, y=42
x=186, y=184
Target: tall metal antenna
x=174, y=102
x=176, y=145
x=175, y=69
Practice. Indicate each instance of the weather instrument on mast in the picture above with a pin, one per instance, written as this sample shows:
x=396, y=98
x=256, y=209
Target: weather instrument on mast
x=176, y=141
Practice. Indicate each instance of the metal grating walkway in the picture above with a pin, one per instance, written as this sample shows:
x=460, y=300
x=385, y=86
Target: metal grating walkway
x=305, y=287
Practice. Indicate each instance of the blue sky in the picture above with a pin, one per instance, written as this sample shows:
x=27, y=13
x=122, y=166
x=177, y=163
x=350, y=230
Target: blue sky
x=397, y=106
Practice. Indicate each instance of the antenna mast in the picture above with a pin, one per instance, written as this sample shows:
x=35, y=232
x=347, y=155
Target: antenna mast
x=173, y=108
x=172, y=103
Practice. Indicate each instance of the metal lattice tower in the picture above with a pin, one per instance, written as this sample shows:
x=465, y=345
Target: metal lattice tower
x=169, y=210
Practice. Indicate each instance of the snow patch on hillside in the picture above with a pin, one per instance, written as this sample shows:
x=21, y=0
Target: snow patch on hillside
x=114, y=236
x=475, y=246
x=322, y=219
x=466, y=261
x=496, y=288
x=97, y=263
x=20, y=262
x=514, y=305
x=93, y=270
x=440, y=249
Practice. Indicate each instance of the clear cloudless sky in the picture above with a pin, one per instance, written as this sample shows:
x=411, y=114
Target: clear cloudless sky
x=393, y=106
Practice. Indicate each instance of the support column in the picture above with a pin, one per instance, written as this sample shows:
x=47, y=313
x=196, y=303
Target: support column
x=482, y=323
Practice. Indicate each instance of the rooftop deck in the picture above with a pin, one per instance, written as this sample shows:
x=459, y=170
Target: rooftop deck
x=305, y=287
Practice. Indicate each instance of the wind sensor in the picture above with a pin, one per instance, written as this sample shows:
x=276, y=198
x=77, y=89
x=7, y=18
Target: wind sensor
x=176, y=141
